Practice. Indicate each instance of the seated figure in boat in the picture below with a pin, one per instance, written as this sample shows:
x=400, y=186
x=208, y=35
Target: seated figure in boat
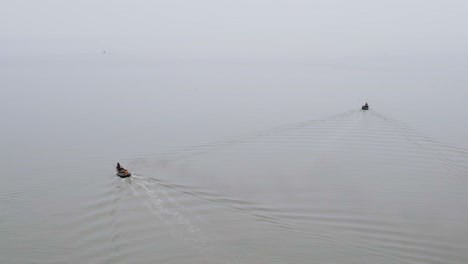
x=122, y=172
x=119, y=168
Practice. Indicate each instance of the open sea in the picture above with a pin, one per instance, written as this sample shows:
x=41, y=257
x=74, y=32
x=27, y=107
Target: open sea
x=233, y=161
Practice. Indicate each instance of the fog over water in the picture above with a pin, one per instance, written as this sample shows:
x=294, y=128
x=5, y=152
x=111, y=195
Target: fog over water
x=241, y=124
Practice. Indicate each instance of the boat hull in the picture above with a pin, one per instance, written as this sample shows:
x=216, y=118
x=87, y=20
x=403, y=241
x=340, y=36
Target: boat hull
x=365, y=108
x=123, y=175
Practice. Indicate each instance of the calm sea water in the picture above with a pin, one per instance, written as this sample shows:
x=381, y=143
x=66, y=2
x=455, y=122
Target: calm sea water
x=232, y=162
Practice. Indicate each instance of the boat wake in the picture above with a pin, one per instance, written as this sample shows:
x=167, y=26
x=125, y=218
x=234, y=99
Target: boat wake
x=182, y=222
x=344, y=183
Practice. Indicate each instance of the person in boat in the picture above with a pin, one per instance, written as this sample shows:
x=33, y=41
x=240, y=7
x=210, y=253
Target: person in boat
x=366, y=105
x=119, y=168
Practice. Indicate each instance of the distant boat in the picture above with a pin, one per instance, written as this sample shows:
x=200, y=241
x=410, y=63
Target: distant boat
x=122, y=172
x=365, y=107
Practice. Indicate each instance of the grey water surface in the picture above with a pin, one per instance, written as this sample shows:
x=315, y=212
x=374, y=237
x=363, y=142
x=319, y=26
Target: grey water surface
x=220, y=175
x=241, y=123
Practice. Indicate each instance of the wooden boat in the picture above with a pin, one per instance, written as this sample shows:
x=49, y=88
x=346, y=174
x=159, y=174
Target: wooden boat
x=122, y=172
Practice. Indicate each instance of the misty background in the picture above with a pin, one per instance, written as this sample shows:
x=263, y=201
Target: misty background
x=258, y=63
x=264, y=57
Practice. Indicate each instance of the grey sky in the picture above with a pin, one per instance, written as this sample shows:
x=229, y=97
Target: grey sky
x=253, y=28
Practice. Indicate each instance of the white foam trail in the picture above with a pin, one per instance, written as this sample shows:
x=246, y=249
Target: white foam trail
x=159, y=203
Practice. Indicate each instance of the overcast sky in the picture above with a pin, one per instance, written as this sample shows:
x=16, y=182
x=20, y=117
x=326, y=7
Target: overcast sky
x=238, y=28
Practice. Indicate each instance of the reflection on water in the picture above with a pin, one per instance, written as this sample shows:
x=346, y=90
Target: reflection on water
x=356, y=187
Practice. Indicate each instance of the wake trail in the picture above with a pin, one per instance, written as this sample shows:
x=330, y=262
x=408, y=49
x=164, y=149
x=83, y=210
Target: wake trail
x=207, y=148
x=184, y=224
x=441, y=151
x=257, y=212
